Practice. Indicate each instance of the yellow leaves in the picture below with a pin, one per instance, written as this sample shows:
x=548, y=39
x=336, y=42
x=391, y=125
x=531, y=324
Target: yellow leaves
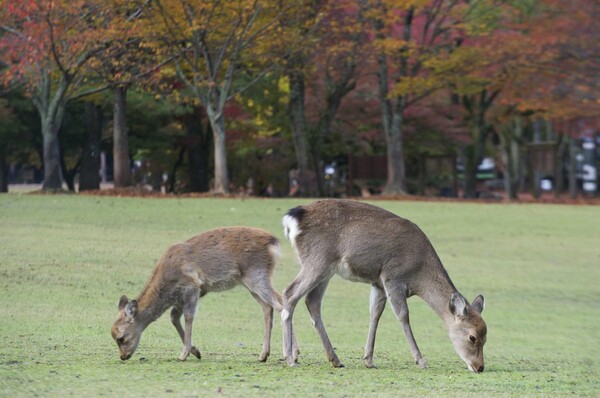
x=268, y=111
x=416, y=85
x=390, y=45
x=403, y=5
x=458, y=60
x=460, y=69
x=283, y=84
x=168, y=71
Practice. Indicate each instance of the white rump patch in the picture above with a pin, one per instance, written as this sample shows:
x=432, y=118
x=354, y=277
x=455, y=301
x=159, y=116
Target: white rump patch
x=275, y=250
x=285, y=315
x=291, y=228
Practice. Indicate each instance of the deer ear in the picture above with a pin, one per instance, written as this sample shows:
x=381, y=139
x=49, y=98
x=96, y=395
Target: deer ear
x=123, y=302
x=458, y=305
x=131, y=309
x=478, y=304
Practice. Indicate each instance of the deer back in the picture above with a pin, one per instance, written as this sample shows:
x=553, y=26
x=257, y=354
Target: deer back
x=217, y=260
x=361, y=241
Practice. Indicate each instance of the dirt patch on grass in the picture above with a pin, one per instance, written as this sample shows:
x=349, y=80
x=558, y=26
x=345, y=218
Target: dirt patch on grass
x=496, y=198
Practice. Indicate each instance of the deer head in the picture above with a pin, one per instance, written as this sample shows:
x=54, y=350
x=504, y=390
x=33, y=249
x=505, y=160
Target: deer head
x=125, y=330
x=468, y=330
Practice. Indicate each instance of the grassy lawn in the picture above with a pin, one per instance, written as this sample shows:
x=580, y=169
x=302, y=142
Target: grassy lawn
x=66, y=260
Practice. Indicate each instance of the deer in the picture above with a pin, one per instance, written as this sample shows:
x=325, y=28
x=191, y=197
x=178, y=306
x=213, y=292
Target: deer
x=213, y=261
x=364, y=243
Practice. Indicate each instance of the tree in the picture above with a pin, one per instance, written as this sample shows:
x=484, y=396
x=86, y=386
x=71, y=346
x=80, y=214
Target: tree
x=130, y=55
x=505, y=54
x=294, y=69
x=542, y=64
x=333, y=73
x=414, y=43
x=47, y=45
x=8, y=137
x=89, y=177
x=214, y=44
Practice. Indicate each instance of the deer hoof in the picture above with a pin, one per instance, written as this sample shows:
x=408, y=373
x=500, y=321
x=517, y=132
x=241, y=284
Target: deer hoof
x=369, y=362
x=421, y=363
x=184, y=354
x=337, y=364
x=263, y=357
x=196, y=352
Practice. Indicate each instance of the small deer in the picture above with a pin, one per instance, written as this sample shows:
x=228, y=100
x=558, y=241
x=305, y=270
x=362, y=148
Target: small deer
x=213, y=261
x=364, y=243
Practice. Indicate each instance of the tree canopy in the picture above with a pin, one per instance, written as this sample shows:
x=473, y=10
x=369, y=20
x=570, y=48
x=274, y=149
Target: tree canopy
x=241, y=85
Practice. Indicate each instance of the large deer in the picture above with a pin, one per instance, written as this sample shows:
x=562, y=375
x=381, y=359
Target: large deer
x=364, y=243
x=213, y=261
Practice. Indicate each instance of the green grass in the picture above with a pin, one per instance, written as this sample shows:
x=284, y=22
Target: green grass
x=66, y=260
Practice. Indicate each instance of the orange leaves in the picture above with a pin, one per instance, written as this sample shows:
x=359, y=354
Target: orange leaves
x=552, y=63
x=50, y=33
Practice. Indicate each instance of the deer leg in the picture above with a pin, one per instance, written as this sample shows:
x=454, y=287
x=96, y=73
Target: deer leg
x=258, y=283
x=304, y=282
x=376, y=306
x=262, y=290
x=396, y=294
x=277, y=304
x=313, y=303
x=190, y=307
x=268, y=326
x=176, y=321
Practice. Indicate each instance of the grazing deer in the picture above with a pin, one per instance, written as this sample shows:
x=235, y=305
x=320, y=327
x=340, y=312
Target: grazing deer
x=213, y=261
x=364, y=243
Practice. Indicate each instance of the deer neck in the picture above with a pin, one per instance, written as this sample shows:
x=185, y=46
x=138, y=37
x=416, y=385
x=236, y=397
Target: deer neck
x=436, y=293
x=151, y=305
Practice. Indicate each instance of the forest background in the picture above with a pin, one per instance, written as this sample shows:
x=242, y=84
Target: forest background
x=264, y=96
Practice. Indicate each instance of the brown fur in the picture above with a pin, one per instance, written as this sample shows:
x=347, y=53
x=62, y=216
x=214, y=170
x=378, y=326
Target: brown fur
x=213, y=261
x=364, y=243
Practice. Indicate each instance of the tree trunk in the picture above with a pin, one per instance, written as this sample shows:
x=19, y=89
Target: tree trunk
x=198, y=151
x=89, y=177
x=393, y=112
x=511, y=156
x=220, y=151
x=3, y=172
x=559, y=172
x=473, y=157
x=392, y=117
x=53, y=178
x=470, y=172
x=572, y=168
x=173, y=174
x=536, y=172
x=68, y=175
x=336, y=91
x=299, y=130
x=396, y=178
x=122, y=169
x=476, y=107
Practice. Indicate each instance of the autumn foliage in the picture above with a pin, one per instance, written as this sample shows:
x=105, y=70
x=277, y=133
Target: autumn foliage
x=401, y=78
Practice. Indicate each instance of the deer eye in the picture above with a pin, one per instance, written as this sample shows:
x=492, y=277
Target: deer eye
x=472, y=338
x=121, y=340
